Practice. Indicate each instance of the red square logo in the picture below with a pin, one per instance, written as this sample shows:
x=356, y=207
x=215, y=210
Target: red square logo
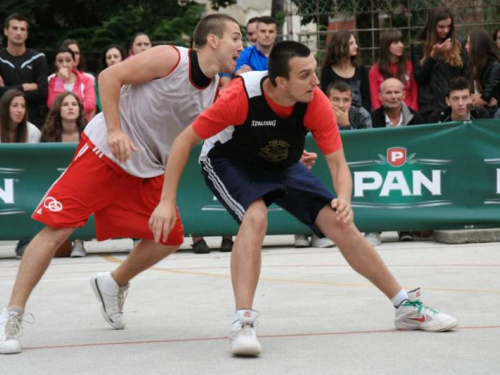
x=396, y=156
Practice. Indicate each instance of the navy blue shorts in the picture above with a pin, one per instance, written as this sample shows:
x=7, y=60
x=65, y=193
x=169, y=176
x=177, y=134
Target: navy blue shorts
x=236, y=185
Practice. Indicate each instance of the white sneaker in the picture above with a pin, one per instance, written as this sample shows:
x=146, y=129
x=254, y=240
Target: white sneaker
x=78, y=250
x=373, y=238
x=112, y=298
x=244, y=341
x=321, y=242
x=413, y=314
x=10, y=330
x=301, y=240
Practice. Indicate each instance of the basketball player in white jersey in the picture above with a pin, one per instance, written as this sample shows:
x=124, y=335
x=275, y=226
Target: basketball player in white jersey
x=117, y=172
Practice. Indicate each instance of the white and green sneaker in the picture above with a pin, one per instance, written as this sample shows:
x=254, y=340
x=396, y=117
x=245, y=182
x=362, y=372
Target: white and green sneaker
x=244, y=341
x=413, y=314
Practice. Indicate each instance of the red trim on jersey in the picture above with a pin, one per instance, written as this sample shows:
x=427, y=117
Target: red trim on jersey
x=231, y=109
x=177, y=63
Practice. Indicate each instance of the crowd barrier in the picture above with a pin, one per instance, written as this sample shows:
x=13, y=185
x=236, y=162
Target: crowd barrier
x=443, y=176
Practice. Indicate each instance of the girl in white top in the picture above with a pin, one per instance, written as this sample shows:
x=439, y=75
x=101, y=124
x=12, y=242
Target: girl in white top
x=14, y=125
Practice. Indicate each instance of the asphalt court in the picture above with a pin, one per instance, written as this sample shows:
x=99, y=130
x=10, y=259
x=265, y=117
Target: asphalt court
x=317, y=315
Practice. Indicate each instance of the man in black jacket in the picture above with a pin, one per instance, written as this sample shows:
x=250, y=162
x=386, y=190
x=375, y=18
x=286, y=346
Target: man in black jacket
x=459, y=101
x=394, y=112
x=24, y=69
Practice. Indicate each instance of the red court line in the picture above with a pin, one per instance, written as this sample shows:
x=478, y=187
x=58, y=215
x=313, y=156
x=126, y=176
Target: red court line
x=312, y=334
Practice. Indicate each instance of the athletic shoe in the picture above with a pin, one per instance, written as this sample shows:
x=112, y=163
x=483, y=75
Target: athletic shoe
x=373, y=238
x=78, y=250
x=200, y=247
x=226, y=245
x=321, y=242
x=405, y=236
x=413, y=314
x=10, y=330
x=112, y=298
x=243, y=338
x=21, y=247
x=301, y=240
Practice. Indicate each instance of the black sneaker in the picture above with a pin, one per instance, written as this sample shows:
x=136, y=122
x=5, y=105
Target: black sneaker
x=200, y=247
x=405, y=236
x=226, y=245
x=20, y=247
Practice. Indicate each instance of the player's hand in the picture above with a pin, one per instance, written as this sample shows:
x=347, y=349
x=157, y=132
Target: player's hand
x=2, y=84
x=162, y=221
x=120, y=145
x=244, y=68
x=308, y=158
x=493, y=102
x=343, y=210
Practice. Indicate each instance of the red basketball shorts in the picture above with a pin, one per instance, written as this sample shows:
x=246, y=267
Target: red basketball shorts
x=121, y=203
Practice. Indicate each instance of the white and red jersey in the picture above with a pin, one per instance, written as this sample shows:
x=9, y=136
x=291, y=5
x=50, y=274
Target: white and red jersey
x=152, y=114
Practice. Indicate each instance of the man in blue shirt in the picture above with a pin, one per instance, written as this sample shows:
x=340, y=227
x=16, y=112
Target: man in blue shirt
x=255, y=57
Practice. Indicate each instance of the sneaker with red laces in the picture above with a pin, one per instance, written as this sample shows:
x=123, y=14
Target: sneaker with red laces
x=413, y=314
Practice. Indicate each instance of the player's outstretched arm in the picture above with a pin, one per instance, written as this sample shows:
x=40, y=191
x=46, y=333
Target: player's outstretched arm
x=163, y=218
x=342, y=182
x=154, y=63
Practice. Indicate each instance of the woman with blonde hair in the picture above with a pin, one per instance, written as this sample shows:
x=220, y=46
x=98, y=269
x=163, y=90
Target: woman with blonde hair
x=392, y=63
x=437, y=57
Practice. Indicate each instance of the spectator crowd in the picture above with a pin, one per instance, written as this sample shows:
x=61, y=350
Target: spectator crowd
x=445, y=79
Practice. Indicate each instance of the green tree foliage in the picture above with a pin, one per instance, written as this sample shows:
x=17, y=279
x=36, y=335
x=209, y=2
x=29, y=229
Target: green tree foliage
x=96, y=23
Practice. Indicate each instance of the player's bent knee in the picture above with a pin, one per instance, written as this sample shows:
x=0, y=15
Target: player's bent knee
x=56, y=236
x=256, y=219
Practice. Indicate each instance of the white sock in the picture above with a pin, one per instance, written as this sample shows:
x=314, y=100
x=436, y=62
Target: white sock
x=398, y=299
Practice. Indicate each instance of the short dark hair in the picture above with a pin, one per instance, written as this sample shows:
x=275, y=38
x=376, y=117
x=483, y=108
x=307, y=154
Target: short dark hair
x=268, y=20
x=64, y=49
x=211, y=24
x=17, y=17
x=340, y=86
x=281, y=54
x=253, y=20
x=458, y=83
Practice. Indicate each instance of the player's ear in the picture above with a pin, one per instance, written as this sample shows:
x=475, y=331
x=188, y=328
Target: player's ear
x=280, y=82
x=212, y=40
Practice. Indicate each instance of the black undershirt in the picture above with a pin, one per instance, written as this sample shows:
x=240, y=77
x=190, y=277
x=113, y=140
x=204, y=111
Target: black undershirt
x=199, y=79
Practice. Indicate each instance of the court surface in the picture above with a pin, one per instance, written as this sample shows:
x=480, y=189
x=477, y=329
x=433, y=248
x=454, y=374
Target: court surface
x=317, y=315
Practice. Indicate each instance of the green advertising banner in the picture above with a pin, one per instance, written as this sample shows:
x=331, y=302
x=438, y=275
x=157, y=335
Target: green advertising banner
x=426, y=177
